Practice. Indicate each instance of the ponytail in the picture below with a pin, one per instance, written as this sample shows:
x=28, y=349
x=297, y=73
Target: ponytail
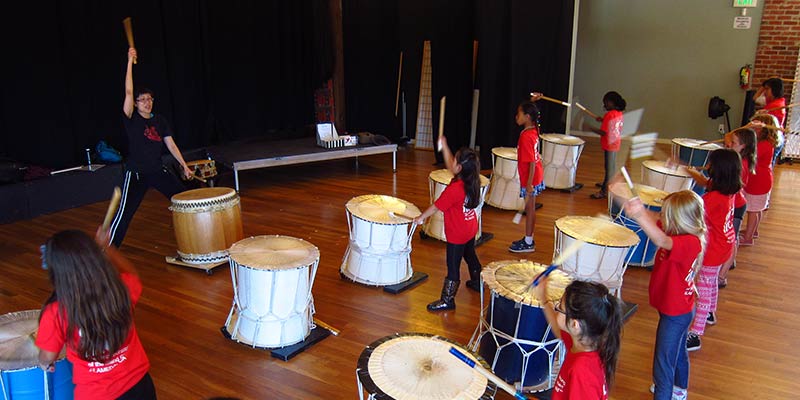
x=610, y=341
x=470, y=175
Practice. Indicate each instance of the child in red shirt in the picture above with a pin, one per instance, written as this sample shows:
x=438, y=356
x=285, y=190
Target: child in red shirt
x=588, y=319
x=610, y=137
x=759, y=183
x=91, y=313
x=672, y=289
x=458, y=202
x=724, y=170
x=531, y=171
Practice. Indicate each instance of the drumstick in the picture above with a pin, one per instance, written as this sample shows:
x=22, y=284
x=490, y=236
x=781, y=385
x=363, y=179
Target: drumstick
x=334, y=331
x=441, y=121
x=568, y=252
x=112, y=208
x=779, y=108
x=557, y=101
x=713, y=141
x=586, y=110
x=488, y=374
x=393, y=214
x=129, y=33
x=198, y=178
x=628, y=180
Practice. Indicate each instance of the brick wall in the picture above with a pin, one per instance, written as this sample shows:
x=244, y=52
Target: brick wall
x=778, y=42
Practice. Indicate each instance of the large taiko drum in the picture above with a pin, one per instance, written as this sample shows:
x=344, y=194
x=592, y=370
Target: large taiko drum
x=207, y=222
x=438, y=180
x=419, y=366
x=669, y=179
x=272, y=279
x=379, y=251
x=20, y=375
x=604, y=256
x=692, y=152
x=513, y=334
x=504, y=187
x=644, y=254
x=560, y=154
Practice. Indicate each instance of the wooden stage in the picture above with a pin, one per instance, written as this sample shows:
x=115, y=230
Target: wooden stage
x=753, y=351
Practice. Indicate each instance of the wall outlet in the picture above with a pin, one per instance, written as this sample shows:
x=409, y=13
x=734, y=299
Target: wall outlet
x=721, y=128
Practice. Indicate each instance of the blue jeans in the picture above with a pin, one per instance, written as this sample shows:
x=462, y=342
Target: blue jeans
x=671, y=360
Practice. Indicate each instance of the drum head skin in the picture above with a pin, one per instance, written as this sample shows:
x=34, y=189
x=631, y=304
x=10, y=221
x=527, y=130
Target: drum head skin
x=444, y=176
x=413, y=366
x=17, y=336
x=696, y=144
x=649, y=195
x=274, y=252
x=598, y=231
x=558, y=138
x=505, y=152
x=661, y=167
x=377, y=208
x=512, y=279
x=204, y=195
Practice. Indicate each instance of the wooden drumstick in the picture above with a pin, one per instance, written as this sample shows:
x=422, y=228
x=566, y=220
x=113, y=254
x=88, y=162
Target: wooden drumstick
x=713, y=141
x=334, y=331
x=112, y=208
x=198, y=178
x=129, y=33
x=557, y=101
x=442, y=104
x=628, y=180
x=763, y=110
x=586, y=110
x=488, y=374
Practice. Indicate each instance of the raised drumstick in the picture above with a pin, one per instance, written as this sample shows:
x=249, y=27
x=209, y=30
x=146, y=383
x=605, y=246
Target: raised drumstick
x=557, y=101
x=586, y=110
x=112, y=208
x=129, y=33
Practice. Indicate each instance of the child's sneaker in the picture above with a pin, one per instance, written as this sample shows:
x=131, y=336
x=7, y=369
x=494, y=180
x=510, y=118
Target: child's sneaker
x=692, y=342
x=521, y=247
x=712, y=318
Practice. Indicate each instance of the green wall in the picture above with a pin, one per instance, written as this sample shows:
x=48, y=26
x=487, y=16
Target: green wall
x=669, y=57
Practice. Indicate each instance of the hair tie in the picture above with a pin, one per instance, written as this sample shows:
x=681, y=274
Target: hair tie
x=43, y=250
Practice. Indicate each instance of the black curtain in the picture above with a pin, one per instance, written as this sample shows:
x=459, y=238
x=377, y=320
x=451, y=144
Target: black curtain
x=220, y=71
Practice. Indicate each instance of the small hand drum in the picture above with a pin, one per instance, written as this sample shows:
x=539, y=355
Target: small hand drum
x=418, y=366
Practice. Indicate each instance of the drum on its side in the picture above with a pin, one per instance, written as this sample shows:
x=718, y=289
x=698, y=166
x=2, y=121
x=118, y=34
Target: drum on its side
x=207, y=222
x=693, y=152
x=560, y=154
x=604, y=257
x=379, y=251
x=419, y=366
x=644, y=254
x=272, y=279
x=205, y=169
x=20, y=375
x=504, y=186
x=658, y=175
x=513, y=334
x=438, y=180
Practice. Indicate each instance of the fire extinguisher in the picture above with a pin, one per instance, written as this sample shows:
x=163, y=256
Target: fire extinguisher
x=744, y=76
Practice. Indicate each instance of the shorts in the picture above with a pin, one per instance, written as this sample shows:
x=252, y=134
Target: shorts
x=756, y=202
x=537, y=190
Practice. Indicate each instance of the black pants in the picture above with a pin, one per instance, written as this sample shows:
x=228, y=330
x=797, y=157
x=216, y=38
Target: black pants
x=134, y=187
x=142, y=390
x=611, y=165
x=455, y=252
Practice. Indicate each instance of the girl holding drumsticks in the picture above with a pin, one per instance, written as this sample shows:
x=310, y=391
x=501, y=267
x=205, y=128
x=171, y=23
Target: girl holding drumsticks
x=458, y=203
x=530, y=168
x=91, y=313
x=610, y=132
x=679, y=232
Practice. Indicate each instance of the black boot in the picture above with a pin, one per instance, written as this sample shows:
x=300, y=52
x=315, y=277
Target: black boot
x=474, y=281
x=448, y=300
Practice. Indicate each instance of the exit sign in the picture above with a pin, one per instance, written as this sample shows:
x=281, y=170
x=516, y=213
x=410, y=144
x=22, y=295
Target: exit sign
x=745, y=3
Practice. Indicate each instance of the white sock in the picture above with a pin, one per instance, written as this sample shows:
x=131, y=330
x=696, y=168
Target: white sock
x=528, y=239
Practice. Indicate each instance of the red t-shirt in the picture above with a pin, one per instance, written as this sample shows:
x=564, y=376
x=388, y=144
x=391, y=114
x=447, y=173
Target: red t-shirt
x=738, y=199
x=581, y=377
x=780, y=113
x=460, y=222
x=761, y=182
x=528, y=152
x=671, y=282
x=612, y=126
x=94, y=380
x=719, y=225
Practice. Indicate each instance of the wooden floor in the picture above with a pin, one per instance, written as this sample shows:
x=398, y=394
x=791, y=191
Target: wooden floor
x=753, y=352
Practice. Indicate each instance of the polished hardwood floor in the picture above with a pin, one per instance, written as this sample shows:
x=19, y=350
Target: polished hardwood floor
x=753, y=352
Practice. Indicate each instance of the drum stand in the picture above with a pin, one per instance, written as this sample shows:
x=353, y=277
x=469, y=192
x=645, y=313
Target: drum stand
x=209, y=268
x=573, y=189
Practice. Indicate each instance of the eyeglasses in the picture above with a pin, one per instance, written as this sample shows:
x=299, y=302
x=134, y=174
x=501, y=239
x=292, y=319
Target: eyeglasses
x=145, y=100
x=557, y=308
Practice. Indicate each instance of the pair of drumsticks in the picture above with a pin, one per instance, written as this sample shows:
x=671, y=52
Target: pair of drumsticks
x=566, y=104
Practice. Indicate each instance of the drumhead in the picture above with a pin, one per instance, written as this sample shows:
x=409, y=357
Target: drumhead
x=376, y=208
x=512, y=279
x=559, y=138
x=274, y=252
x=661, y=167
x=649, y=195
x=204, y=196
x=696, y=144
x=17, y=336
x=505, y=152
x=419, y=366
x=444, y=176
x=599, y=231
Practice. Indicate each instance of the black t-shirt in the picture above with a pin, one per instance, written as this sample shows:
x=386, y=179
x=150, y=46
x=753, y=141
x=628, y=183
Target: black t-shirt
x=145, y=141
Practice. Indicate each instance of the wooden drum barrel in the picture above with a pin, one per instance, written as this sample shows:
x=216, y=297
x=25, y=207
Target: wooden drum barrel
x=207, y=222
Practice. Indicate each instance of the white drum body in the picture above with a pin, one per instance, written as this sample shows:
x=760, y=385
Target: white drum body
x=272, y=307
x=438, y=181
x=692, y=152
x=560, y=154
x=504, y=186
x=658, y=175
x=604, y=256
